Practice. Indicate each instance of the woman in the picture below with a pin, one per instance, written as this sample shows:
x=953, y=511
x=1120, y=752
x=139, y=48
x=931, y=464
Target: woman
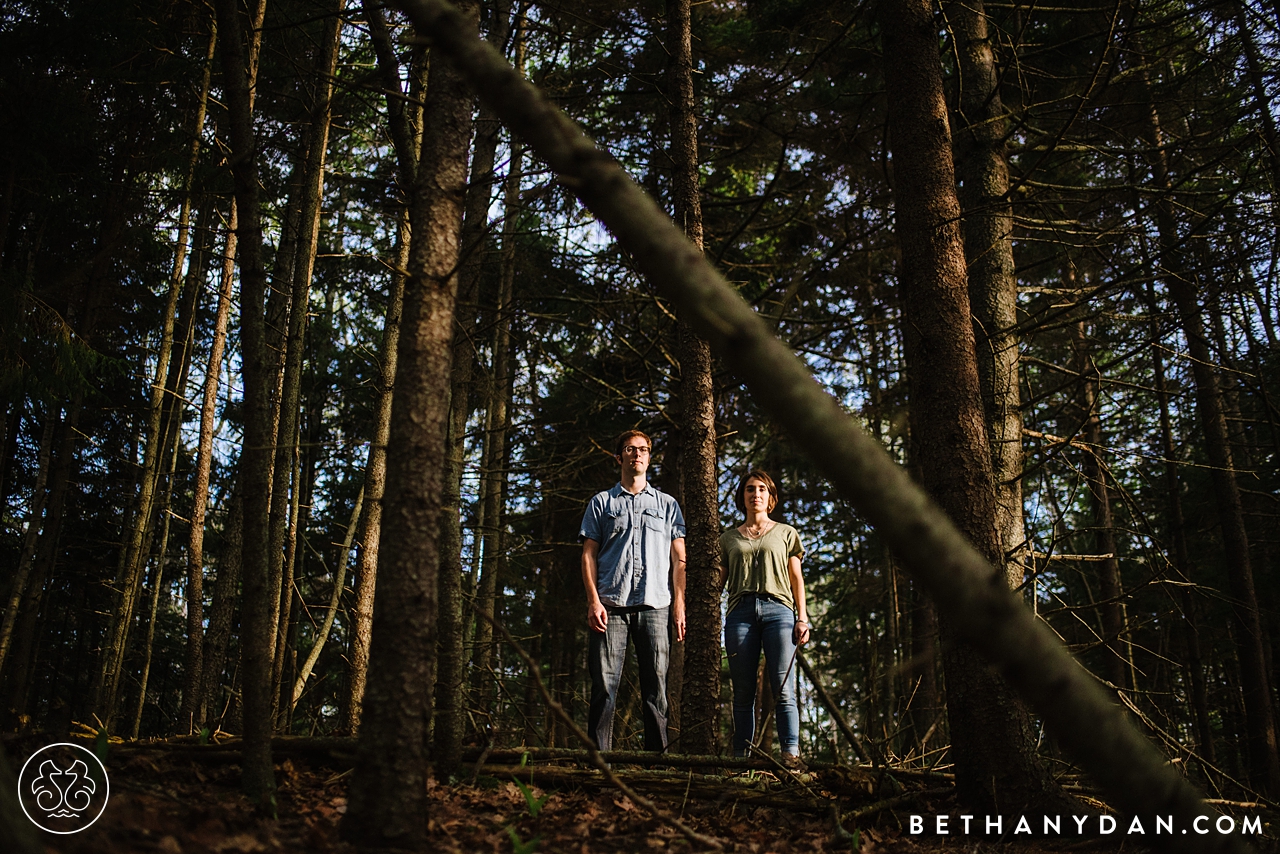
x=760, y=559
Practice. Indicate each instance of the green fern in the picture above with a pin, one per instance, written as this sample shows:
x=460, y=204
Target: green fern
x=535, y=804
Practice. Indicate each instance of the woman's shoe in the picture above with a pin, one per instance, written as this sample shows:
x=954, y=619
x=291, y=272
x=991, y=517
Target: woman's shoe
x=793, y=762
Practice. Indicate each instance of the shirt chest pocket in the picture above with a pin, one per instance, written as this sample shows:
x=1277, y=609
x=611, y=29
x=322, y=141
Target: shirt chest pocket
x=652, y=522
x=615, y=521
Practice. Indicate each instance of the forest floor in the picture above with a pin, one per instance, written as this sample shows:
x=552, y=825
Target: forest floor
x=178, y=799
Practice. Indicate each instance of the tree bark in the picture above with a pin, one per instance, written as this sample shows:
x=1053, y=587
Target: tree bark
x=374, y=486
x=402, y=123
x=226, y=593
x=982, y=173
x=193, y=687
x=475, y=244
x=700, y=688
x=156, y=585
x=258, y=778
x=286, y=638
x=388, y=790
x=997, y=768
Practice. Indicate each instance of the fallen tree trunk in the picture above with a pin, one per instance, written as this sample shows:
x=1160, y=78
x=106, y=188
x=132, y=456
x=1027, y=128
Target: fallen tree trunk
x=963, y=585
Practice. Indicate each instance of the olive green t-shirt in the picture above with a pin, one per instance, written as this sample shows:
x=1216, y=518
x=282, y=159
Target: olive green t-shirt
x=760, y=566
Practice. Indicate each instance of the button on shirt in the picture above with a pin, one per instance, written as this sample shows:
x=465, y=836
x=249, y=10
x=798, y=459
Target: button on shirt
x=635, y=532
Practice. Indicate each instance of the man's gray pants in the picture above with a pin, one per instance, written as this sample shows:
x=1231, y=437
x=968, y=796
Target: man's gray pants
x=606, y=653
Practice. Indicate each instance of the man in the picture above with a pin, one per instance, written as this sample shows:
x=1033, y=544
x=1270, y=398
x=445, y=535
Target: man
x=633, y=570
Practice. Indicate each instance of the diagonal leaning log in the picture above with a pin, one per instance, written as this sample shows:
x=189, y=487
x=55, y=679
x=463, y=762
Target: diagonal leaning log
x=972, y=595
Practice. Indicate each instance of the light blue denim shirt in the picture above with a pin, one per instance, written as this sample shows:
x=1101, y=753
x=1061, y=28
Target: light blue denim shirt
x=635, y=533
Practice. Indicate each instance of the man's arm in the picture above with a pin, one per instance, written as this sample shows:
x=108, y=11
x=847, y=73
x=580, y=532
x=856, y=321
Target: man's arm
x=597, y=616
x=677, y=586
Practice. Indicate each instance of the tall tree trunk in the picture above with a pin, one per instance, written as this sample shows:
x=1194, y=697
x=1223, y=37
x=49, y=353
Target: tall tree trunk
x=175, y=397
x=403, y=123
x=157, y=583
x=489, y=534
x=388, y=791
x=494, y=472
x=193, y=695
x=192, y=660
x=1264, y=757
x=226, y=593
x=286, y=444
x=1102, y=539
x=497, y=423
x=258, y=778
x=335, y=599
x=924, y=711
x=996, y=764
x=982, y=173
x=1181, y=554
x=890, y=646
x=1262, y=102
x=375, y=476
x=286, y=634
x=447, y=736
x=700, y=689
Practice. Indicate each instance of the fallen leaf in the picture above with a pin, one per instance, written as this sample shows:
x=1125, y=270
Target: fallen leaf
x=243, y=843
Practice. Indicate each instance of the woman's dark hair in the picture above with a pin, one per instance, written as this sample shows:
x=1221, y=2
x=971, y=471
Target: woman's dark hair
x=763, y=477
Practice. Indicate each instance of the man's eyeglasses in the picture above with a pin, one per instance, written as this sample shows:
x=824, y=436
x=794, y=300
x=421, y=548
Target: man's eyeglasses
x=635, y=451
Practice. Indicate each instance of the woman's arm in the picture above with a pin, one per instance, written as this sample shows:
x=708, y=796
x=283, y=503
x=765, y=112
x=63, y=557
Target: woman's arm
x=801, y=634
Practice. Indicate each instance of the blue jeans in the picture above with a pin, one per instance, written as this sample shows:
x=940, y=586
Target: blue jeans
x=758, y=622
x=606, y=653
